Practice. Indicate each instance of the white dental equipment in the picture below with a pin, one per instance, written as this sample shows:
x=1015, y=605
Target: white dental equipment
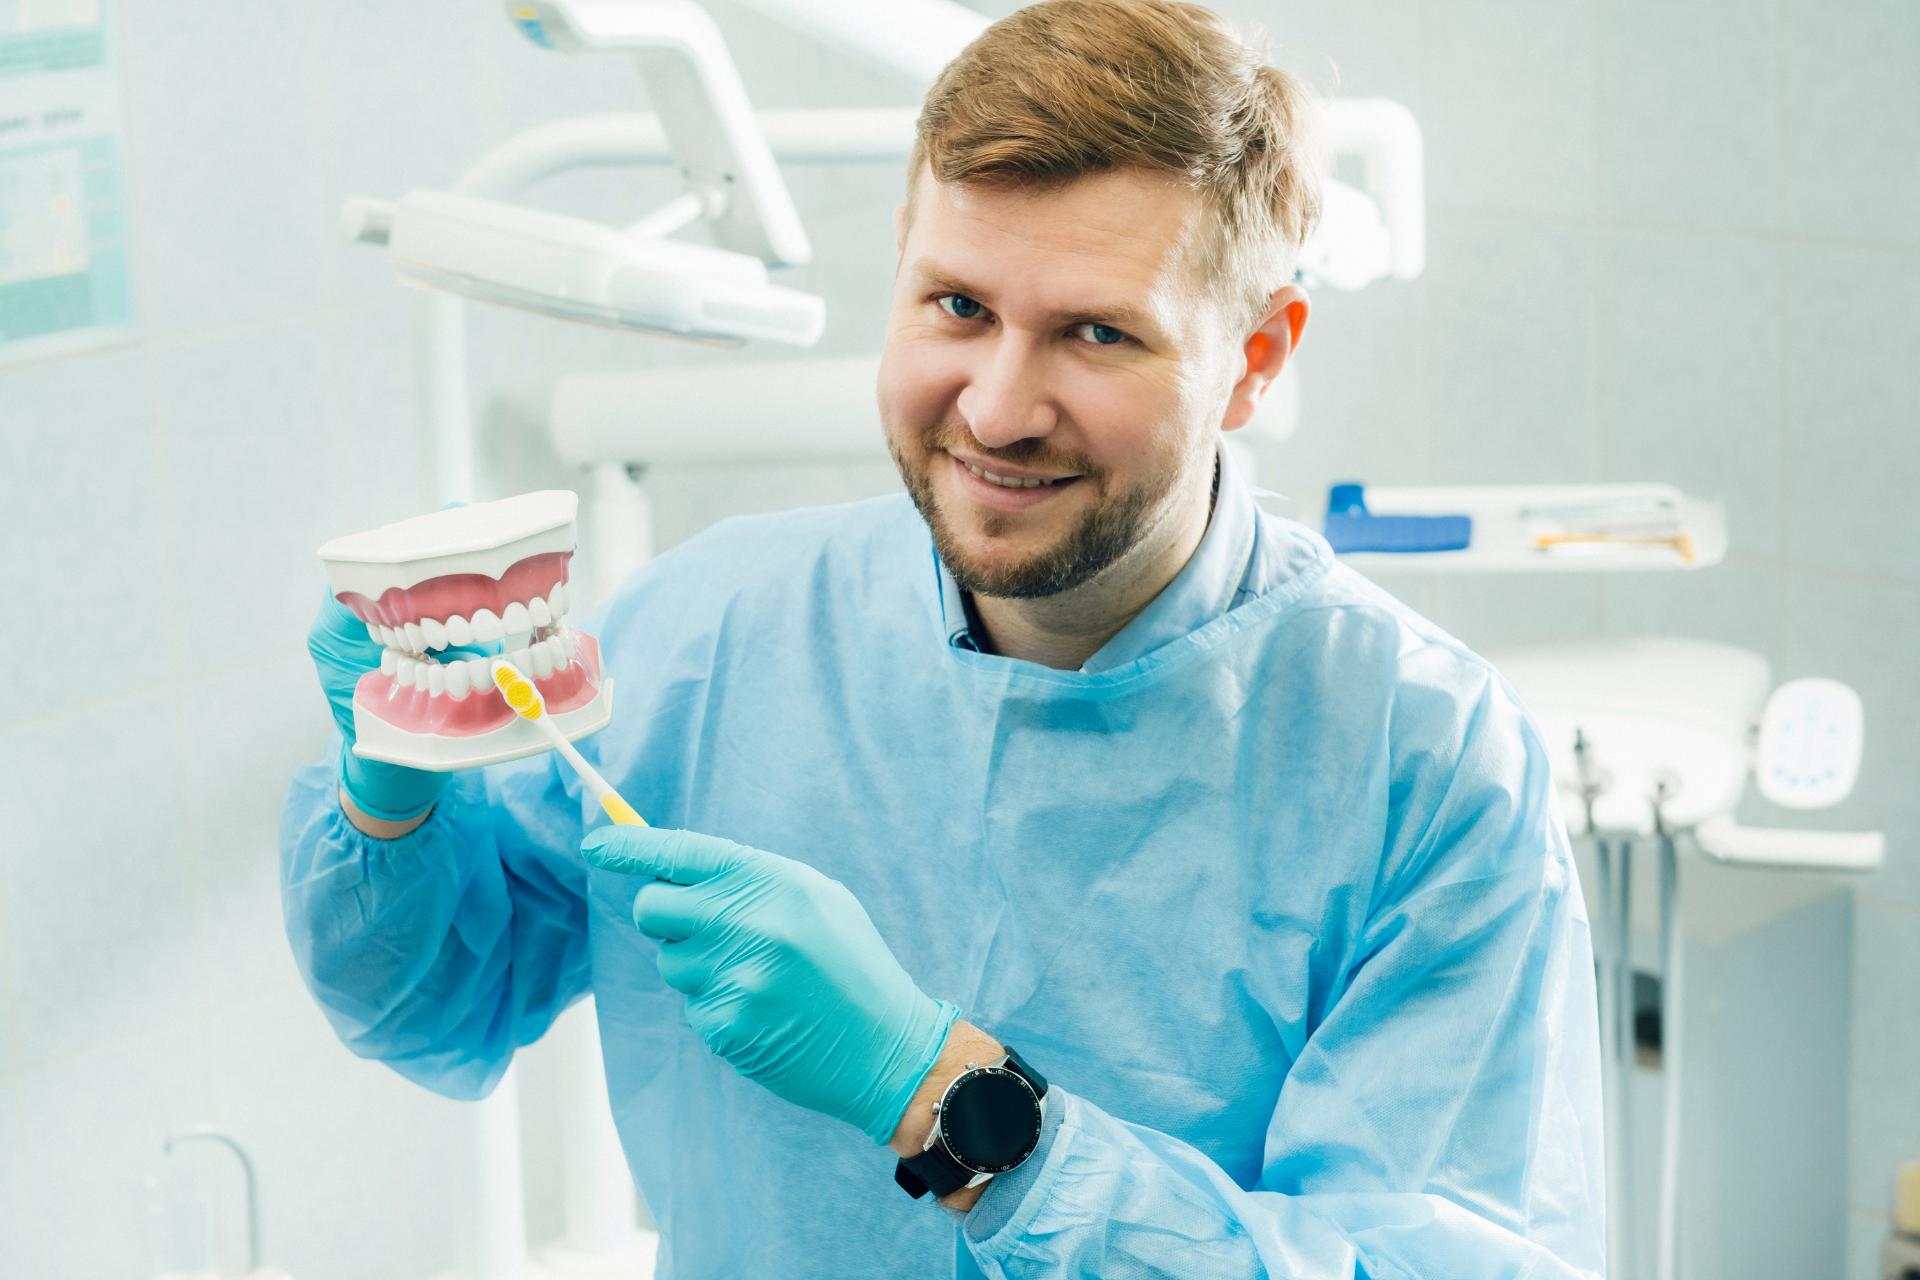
x=1656, y=738
x=633, y=278
x=579, y=270
x=493, y=572
x=1559, y=528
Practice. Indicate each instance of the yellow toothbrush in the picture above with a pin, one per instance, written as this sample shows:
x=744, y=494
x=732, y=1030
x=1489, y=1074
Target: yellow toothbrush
x=526, y=700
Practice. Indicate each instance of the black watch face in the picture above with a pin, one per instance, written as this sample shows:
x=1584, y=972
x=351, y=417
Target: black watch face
x=990, y=1121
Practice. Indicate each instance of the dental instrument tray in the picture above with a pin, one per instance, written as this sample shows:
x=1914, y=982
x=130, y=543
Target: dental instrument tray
x=1526, y=528
x=493, y=577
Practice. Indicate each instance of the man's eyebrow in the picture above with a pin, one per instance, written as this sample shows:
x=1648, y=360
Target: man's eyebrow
x=1122, y=315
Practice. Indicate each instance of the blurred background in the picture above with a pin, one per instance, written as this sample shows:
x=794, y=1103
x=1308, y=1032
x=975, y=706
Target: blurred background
x=1675, y=243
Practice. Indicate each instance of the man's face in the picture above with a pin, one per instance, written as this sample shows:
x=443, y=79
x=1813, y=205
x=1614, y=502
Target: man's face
x=1057, y=337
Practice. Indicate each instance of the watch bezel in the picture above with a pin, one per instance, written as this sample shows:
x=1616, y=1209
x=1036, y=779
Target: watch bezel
x=961, y=1081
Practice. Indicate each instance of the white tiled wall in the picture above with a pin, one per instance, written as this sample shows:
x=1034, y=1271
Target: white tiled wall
x=1667, y=241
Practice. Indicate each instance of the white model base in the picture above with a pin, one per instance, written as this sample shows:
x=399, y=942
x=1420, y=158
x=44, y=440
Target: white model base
x=375, y=739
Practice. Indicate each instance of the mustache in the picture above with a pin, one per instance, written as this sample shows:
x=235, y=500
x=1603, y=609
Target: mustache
x=1032, y=452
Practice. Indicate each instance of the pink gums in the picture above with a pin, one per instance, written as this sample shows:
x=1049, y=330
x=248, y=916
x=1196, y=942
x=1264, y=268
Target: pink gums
x=461, y=593
x=483, y=710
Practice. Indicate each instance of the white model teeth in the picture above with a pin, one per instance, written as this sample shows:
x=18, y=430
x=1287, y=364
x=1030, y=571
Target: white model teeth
x=1005, y=482
x=470, y=675
x=513, y=624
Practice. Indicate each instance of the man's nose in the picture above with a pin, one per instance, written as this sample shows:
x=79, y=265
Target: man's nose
x=1006, y=400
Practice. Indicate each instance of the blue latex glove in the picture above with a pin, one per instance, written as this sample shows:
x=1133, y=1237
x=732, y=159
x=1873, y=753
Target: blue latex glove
x=342, y=652
x=785, y=975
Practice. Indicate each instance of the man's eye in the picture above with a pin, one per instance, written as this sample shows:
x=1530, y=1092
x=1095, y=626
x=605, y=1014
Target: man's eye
x=1103, y=335
x=962, y=308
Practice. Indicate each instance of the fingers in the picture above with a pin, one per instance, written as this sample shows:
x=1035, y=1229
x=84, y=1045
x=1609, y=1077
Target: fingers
x=682, y=857
x=682, y=967
x=669, y=912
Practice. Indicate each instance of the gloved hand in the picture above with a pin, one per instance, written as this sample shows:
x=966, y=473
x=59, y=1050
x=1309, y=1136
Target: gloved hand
x=785, y=975
x=342, y=652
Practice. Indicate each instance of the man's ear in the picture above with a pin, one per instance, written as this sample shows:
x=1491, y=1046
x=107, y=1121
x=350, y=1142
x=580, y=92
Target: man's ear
x=1266, y=352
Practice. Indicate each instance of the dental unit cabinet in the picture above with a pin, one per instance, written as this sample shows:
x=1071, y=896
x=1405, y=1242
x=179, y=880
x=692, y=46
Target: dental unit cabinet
x=495, y=573
x=1654, y=743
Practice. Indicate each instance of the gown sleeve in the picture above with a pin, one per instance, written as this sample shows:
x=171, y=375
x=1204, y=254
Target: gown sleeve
x=443, y=951
x=1442, y=1120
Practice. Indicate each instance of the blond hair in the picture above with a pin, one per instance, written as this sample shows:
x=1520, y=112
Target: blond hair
x=1068, y=88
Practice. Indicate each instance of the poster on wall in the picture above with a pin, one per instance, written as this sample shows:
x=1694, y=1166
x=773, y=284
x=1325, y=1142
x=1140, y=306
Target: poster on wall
x=65, y=261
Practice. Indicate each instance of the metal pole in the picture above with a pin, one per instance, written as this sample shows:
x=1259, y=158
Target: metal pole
x=1671, y=1039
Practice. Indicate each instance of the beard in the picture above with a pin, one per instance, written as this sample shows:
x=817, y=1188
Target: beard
x=1114, y=526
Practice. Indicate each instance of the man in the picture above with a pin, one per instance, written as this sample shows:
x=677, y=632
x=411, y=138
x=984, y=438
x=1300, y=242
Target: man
x=1076, y=754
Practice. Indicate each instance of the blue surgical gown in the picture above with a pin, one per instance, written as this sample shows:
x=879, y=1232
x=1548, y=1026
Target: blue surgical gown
x=1272, y=890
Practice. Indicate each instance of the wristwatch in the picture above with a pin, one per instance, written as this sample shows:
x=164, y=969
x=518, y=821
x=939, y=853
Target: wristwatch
x=988, y=1121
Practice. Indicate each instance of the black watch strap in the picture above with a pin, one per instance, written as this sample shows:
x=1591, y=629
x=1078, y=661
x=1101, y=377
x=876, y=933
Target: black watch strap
x=936, y=1171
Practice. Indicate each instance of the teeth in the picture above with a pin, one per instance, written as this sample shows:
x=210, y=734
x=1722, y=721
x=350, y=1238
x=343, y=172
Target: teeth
x=433, y=633
x=516, y=618
x=459, y=630
x=459, y=681
x=389, y=662
x=479, y=673
x=436, y=677
x=414, y=638
x=1005, y=482
x=486, y=626
x=404, y=673
x=557, y=600
x=538, y=611
x=542, y=659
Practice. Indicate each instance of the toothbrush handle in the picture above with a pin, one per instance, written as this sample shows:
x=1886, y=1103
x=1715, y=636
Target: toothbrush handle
x=619, y=810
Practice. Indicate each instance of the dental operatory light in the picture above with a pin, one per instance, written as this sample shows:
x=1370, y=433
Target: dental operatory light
x=633, y=277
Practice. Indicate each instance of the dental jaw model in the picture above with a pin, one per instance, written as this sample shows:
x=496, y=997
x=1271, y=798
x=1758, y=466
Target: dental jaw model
x=493, y=575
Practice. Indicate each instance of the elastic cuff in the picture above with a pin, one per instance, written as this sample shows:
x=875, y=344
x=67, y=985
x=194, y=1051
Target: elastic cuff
x=405, y=793
x=1007, y=1191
